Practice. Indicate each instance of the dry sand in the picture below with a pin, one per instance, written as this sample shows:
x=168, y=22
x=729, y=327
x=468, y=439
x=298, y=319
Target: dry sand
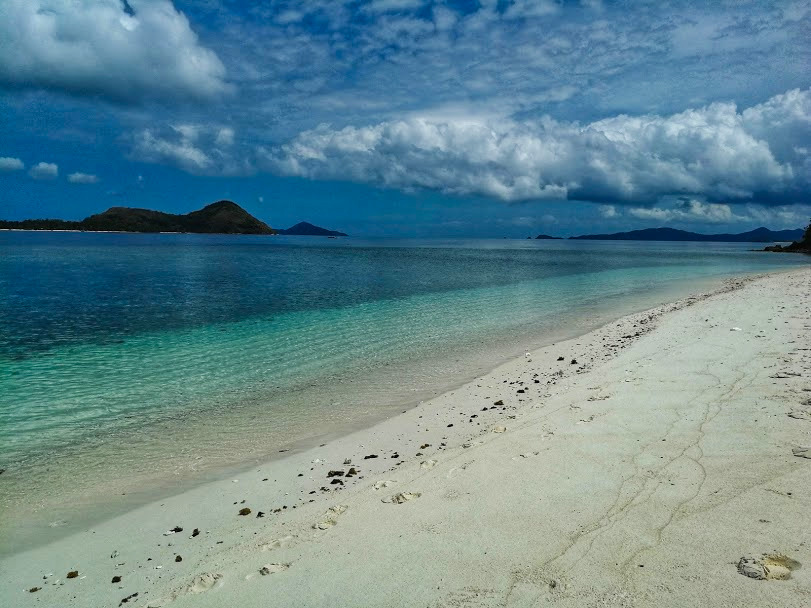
x=668, y=466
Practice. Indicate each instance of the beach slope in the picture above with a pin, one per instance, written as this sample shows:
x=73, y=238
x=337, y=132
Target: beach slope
x=662, y=460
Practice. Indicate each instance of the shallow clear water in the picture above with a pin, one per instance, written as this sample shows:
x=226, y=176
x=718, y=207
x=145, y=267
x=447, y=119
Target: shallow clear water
x=141, y=363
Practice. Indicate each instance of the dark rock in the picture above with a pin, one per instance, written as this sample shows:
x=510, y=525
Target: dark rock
x=245, y=511
x=337, y=481
x=499, y=402
x=178, y=559
x=395, y=455
x=560, y=358
x=352, y=472
x=195, y=533
x=116, y=579
x=450, y=425
x=34, y=589
x=574, y=362
x=425, y=445
x=370, y=456
x=260, y=514
x=72, y=574
x=520, y=390
x=176, y=529
x=128, y=598
x=335, y=474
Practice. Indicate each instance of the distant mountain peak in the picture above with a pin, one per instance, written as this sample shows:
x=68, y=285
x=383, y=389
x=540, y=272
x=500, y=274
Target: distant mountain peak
x=223, y=204
x=664, y=233
x=308, y=229
x=221, y=217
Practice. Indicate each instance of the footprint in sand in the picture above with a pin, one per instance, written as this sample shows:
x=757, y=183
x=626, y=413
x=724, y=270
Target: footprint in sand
x=775, y=566
x=203, y=582
x=428, y=464
x=802, y=452
x=402, y=497
x=331, y=517
x=800, y=414
x=278, y=543
x=273, y=568
x=379, y=485
x=200, y=584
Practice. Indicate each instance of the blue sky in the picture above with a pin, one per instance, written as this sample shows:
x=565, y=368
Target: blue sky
x=411, y=117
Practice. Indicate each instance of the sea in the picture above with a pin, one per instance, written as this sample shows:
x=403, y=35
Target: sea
x=133, y=366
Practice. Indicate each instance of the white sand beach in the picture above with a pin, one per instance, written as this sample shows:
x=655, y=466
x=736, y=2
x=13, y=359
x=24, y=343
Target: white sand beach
x=662, y=460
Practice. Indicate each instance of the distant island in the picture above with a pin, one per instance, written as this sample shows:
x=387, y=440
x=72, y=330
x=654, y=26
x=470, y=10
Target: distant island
x=307, y=229
x=758, y=235
x=546, y=236
x=222, y=217
x=803, y=245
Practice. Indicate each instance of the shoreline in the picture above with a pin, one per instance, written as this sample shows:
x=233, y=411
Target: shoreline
x=460, y=428
x=107, y=500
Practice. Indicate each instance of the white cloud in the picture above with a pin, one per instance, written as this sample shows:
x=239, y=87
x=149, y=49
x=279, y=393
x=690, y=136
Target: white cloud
x=8, y=163
x=608, y=211
x=44, y=171
x=198, y=149
x=714, y=151
x=182, y=151
x=531, y=8
x=783, y=216
x=96, y=48
x=691, y=210
x=225, y=137
x=697, y=211
x=82, y=178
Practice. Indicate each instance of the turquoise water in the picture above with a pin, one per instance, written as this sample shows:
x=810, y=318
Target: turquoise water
x=146, y=362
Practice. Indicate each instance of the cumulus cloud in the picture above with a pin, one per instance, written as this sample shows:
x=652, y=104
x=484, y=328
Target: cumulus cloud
x=11, y=164
x=690, y=211
x=195, y=148
x=715, y=151
x=225, y=137
x=608, y=211
x=99, y=48
x=82, y=178
x=696, y=211
x=44, y=171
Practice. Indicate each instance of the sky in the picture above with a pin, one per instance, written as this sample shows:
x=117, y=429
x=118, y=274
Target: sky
x=466, y=118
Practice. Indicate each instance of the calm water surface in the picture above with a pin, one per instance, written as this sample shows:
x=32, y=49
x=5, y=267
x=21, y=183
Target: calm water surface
x=139, y=364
